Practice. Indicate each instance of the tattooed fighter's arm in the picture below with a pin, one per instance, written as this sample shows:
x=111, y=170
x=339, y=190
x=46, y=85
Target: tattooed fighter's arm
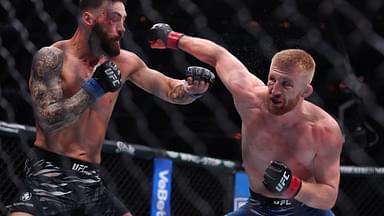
x=52, y=110
x=172, y=90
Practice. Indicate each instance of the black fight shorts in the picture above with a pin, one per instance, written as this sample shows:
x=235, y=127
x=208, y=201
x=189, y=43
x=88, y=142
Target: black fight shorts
x=58, y=185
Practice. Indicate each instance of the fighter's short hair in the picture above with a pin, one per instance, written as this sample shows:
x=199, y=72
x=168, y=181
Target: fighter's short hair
x=92, y=4
x=295, y=58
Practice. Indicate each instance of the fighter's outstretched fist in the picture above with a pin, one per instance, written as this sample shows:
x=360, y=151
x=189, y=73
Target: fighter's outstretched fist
x=162, y=36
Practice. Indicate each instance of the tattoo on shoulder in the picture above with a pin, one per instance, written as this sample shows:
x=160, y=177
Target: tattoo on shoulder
x=45, y=75
x=53, y=111
x=47, y=63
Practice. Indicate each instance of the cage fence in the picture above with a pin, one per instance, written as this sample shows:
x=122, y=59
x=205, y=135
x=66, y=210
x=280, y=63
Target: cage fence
x=200, y=185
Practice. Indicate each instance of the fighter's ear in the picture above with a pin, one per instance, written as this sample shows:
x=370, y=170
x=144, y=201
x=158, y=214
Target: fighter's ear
x=88, y=18
x=308, y=91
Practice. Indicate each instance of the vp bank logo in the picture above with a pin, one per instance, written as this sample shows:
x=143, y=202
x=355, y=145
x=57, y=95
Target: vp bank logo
x=161, y=189
x=162, y=193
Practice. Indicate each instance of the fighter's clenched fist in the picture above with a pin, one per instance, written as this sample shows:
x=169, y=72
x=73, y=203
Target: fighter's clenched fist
x=161, y=35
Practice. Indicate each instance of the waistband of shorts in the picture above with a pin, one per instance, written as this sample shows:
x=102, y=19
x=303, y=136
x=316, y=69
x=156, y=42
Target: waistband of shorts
x=274, y=201
x=37, y=153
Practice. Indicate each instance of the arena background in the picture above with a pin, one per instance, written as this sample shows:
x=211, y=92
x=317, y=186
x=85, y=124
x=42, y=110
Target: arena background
x=346, y=39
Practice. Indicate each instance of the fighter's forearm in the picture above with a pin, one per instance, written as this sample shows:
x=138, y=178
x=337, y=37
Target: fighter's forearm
x=234, y=75
x=204, y=50
x=319, y=196
x=62, y=113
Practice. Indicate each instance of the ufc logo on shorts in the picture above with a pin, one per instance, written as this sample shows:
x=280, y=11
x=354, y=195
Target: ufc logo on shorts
x=79, y=167
x=112, y=76
x=282, y=203
x=279, y=187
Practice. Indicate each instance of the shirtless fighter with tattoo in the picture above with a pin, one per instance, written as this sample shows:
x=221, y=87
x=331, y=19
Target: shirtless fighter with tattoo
x=74, y=86
x=290, y=147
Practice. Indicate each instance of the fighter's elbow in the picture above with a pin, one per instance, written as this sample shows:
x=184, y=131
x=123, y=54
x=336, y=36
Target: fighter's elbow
x=52, y=119
x=326, y=202
x=332, y=201
x=319, y=196
x=50, y=116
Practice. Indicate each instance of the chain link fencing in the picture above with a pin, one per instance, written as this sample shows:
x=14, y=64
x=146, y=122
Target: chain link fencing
x=200, y=185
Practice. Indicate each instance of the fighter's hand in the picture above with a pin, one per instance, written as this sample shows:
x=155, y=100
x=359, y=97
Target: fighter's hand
x=162, y=36
x=278, y=179
x=106, y=78
x=198, y=80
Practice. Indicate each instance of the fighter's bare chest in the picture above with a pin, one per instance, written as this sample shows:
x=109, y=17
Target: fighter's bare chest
x=73, y=75
x=269, y=138
x=275, y=136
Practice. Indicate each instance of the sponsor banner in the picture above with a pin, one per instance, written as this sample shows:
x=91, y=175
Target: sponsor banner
x=241, y=191
x=161, y=189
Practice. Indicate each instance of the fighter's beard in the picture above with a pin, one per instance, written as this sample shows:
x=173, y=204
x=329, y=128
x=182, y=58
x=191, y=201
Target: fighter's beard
x=100, y=43
x=284, y=107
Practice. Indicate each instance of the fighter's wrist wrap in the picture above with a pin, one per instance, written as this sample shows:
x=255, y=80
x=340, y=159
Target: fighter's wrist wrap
x=173, y=39
x=294, y=187
x=93, y=87
x=194, y=96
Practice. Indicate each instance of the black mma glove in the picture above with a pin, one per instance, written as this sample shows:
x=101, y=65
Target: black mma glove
x=278, y=179
x=164, y=33
x=199, y=74
x=106, y=78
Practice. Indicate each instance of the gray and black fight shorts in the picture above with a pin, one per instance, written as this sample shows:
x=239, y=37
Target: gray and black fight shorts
x=58, y=185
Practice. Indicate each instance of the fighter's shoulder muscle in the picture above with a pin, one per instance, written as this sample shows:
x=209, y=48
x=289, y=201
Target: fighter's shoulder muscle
x=327, y=129
x=251, y=98
x=47, y=63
